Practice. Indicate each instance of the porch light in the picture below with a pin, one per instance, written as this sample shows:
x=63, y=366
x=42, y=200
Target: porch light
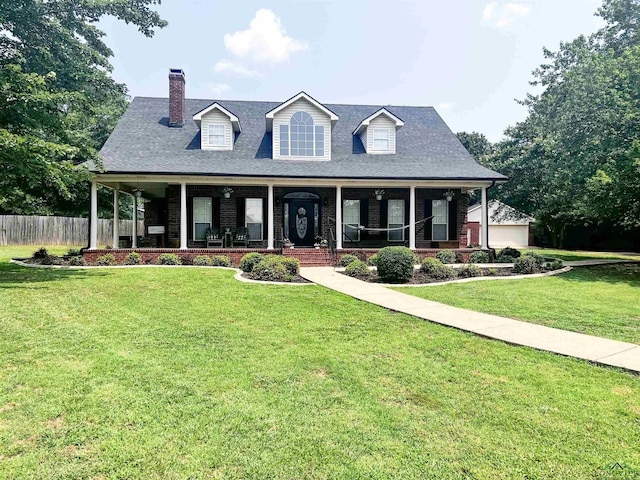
x=227, y=191
x=449, y=194
x=379, y=193
x=138, y=192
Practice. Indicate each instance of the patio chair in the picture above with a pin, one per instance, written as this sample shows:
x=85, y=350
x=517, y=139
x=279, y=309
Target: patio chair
x=240, y=237
x=214, y=238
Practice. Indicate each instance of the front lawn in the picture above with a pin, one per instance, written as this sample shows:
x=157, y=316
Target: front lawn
x=573, y=255
x=187, y=373
x=600, y=300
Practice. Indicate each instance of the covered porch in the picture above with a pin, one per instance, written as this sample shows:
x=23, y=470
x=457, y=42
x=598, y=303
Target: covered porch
x=183, y=212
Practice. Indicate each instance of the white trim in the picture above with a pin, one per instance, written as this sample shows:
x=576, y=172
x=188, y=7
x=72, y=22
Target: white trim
x=93, y=230
x=302, y=95
x=412, y=217
x=388, y=131
x=338, y=217
x=235, y=122
x=484, y=226
x=270, y=220
x=183, y=215
x=134, y=233
x=383, y=111
x=116, y=216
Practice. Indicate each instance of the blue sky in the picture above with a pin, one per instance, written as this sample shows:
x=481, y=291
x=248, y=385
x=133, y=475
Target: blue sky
x=468, y=58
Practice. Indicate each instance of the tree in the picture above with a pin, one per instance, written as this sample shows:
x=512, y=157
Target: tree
x=476, y=144
x=58, y=103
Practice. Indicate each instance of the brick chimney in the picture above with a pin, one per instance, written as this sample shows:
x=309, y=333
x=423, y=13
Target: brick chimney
x=176, y=97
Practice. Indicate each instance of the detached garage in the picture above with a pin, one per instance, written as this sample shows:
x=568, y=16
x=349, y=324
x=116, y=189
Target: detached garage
x=508, y=227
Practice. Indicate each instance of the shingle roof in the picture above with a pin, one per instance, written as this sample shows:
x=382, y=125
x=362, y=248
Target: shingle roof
x=142, y=142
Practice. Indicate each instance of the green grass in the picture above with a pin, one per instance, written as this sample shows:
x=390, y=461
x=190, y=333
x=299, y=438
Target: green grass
x=572, y=255
x=187, y=373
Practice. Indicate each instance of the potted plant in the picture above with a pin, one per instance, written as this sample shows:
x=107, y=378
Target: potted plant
x=287, y=243
x=379, y=193
x=321, y=242
x=227, y=191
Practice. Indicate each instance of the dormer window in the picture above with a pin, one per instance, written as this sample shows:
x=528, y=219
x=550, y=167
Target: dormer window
x=378, y=132
x=300, y=138
x=216, y=135
x=218, y=127
x=381, y=139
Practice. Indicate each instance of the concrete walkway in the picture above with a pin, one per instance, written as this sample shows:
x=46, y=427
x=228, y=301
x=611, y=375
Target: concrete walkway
x=578, y=345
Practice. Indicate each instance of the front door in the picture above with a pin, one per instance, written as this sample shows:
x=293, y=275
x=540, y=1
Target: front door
x=302, y=222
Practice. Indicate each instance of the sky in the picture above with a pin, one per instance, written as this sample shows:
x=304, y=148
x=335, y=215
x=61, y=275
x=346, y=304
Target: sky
x=470, y=59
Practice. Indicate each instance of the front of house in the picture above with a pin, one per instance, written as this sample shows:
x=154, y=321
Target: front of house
x=359, y=176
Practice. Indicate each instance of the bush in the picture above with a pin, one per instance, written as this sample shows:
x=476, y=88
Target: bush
x=40, y=253
x=186, y=260
x=442, y=272
x=168, y=259
x=51, y=260
x=505, y=259
x=357, y=268
x=221, y=261
x=537, y=258
x=250, y=260
x=105, y=260
x=347, y=259
x=73, y=252
x=479, y=257
x=373, y=260
x=77, y=262
x=446, y=256
x=395, y=264
x=468, y=271
x=292, y=265
x=510, y=252
x=526, y=265
x=554, y=264
x=134, y=258
x=202, y=261
x=272, y=268
x=428, y=264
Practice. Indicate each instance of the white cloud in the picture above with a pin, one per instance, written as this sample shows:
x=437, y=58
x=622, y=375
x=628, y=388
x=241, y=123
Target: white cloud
x=500, y=15
x=234, y=69
x=265, y=40
x=218, y=88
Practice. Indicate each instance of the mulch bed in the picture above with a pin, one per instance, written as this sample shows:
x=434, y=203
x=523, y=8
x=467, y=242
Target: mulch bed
x=296, y=279
x=421, y=277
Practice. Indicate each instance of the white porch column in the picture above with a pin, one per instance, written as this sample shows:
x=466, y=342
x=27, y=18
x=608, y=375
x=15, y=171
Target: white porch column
x=134, y=232
x=338, y=217
x=412, y=217
x=484, y=222
x=116, y=216
x=183, y=216
x=271, y=227
x=93, y=229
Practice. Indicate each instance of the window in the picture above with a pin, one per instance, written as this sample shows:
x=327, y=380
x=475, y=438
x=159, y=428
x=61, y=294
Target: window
x=253, y=218
x=440, y=221
x=300, y=138
x=201, y=217
x=396, y=220
x=216, y=135
x=351, y=220
x=381, y=137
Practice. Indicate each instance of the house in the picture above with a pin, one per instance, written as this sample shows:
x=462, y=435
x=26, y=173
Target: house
x=508, y=227
x=361, y=176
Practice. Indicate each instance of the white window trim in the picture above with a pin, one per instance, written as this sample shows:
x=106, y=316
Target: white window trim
x=246, y=224
x=344, y=223
x=193, y=211
x=433, y=224
x=305, y=157
x=389, y=220
x=388, y=132
x=211, y=126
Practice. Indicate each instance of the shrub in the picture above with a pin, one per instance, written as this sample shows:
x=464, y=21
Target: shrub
x=347, y=259
x=357, y=269
x=271, y=268
x=77, y=261
x=526, y=265
x=292, y=265
x=446, y=256
x=469, y=270
x=395, y=264
x=537, y=258
x=442, y=272
x=479, y=257
x=168, y=259
x=555, y=264
x=428, y=264
x=73, y=252
x=510, y=252
x=505, y=259
x=221, y=261
x=202, y=261
x=105, y=260
x=250, y=260
x=373, y=260
x=186, y=260
x=134, y=258
x=50, y=260
x=40, y=253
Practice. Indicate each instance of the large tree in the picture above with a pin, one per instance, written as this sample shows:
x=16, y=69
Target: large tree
x=575, y=160
x=58, y=102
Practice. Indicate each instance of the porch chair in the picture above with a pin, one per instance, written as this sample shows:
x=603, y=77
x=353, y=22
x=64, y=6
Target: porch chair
x=240, y=237
x=214, y=238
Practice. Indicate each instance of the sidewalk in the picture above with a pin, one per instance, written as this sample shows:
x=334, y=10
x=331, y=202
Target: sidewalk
x=578, y=345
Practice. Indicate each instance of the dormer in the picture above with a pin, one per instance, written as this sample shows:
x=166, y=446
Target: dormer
x=378, y=132
x=218, y=127
x=301, y=129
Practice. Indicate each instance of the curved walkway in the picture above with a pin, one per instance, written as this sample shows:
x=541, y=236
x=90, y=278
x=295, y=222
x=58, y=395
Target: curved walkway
x=578, y=345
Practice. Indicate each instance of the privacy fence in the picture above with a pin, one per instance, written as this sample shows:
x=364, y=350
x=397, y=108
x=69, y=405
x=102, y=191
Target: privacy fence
x=36, y=230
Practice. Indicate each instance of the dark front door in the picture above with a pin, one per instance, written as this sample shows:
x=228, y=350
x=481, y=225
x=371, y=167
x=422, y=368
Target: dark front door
x=302, y=222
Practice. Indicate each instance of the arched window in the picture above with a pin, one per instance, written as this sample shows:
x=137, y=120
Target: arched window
x=300, y=138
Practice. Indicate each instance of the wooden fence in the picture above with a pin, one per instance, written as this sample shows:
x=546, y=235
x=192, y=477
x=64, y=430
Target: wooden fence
x=35, y=230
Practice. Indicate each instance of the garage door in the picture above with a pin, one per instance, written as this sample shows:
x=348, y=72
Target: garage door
x=508, y=235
